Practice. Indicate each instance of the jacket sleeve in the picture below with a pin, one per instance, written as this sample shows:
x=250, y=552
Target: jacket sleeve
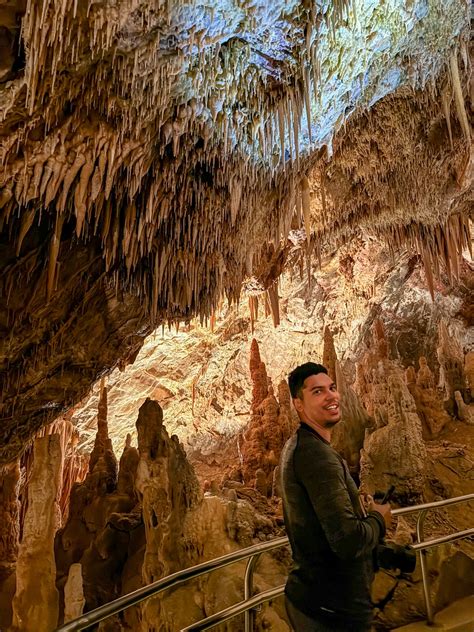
x=348, y=535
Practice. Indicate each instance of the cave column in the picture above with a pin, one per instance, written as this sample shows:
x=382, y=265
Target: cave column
x=36, y=601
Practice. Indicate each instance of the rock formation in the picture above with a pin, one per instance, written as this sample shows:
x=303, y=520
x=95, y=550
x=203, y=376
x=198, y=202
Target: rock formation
x=36, y=601
x=9, y=517
x=73, y=594
x=469, y=371
x=329, y=353
x=348, y=436
x=464, y=412
x=149, y=159
x=271, y=424
x=394, y=451
x=9, y=537
x=101, y=520
x=372, y=377
x=429, y=403
x=451, y=360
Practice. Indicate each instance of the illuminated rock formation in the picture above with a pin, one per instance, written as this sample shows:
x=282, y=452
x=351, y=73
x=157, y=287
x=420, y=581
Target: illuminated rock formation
x=258, y=376
x=395, y=454
x=469, y=371
x=212, y=130
x=451, y=360
x=101, y=520
x=9, y=534
x=270, y=426
x=464, y=412
x=183, y=528
x=36, y=601
x=73, y=594
x=9, y=517
x=329, y=353
x=348, y=436
x=429, y=403
x=394, y=451
x=372, y=377
x=168, y=488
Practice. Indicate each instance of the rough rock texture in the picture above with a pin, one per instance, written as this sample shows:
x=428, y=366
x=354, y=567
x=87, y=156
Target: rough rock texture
x=451, y=360
x=348, y=436
x=429, y=403
x=36, y=601
x=394, y=451
x=150, y=152
x=395, y=454
x=147, y=522
x=201, y=377
x=9, y=537
x=73, y=594
x=271, y=424
x=9, y=517
x=101, y=521
x=469, y=371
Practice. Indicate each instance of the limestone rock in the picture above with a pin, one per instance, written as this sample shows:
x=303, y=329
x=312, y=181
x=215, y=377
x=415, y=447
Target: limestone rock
x=429, y=403
x=73, y=594
x=36, y=602
x=270, y=425
x=329, y=353
x=258, y=375
x=168, y=488
x=9, y=517
x=9, y=534
x=348, y=436
x=396, y=454
x=469, y=371
x=102, y=521
x=464, y=412
x=451, y=360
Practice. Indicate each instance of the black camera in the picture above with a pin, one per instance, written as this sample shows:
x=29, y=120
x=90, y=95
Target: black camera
x=393, y=556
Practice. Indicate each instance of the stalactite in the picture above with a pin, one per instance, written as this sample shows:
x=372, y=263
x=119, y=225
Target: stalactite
x=458, y=97
x=306, y=204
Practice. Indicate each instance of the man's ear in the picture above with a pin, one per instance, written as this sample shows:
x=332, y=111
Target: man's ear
x=298, y=404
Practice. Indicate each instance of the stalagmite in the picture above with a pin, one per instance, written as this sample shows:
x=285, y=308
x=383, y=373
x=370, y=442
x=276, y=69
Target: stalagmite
x=329, y=355
x=73, y=594
x=134, y=150
x=36, y=601
x=9, y=517
x=451, y=359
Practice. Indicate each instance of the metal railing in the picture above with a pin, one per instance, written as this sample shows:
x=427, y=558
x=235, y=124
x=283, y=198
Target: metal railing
x=250, y=602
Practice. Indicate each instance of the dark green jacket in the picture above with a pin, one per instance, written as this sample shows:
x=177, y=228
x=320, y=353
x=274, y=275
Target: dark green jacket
x=331, y=539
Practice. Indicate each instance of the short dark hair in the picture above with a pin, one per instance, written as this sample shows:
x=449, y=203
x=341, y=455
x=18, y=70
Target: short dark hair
x=298, y=376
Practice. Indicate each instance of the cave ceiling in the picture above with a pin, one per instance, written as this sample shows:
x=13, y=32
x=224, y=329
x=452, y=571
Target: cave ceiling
x=151, y=151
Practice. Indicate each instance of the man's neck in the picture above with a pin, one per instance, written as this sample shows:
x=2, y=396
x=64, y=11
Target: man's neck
x=325, y=433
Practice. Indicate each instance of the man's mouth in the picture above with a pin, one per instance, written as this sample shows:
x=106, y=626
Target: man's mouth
x=332, y=407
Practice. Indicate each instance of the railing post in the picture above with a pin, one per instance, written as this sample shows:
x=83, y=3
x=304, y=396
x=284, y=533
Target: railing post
x=248, y=590
x=424, y=567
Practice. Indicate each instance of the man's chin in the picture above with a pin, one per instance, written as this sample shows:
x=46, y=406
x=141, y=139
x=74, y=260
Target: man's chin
x=331, y=423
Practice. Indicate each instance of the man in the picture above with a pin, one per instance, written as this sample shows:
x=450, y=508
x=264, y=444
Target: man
x=332, y=537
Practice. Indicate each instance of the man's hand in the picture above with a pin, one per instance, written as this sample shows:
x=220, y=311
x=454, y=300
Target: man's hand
x=384, y=510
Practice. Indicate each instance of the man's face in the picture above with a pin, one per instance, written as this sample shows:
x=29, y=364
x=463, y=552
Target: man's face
x=319, y=401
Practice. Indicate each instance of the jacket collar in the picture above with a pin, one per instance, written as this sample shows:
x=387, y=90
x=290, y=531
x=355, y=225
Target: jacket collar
x=305, y=426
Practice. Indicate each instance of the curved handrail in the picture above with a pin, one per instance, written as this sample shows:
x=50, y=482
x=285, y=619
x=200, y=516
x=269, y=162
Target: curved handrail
x=122, y=603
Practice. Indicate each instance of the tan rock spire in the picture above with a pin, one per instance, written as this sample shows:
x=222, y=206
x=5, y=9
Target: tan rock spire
x=36, y=601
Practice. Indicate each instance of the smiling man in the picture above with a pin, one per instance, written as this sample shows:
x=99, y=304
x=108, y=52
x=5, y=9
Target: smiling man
x=332, y=537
